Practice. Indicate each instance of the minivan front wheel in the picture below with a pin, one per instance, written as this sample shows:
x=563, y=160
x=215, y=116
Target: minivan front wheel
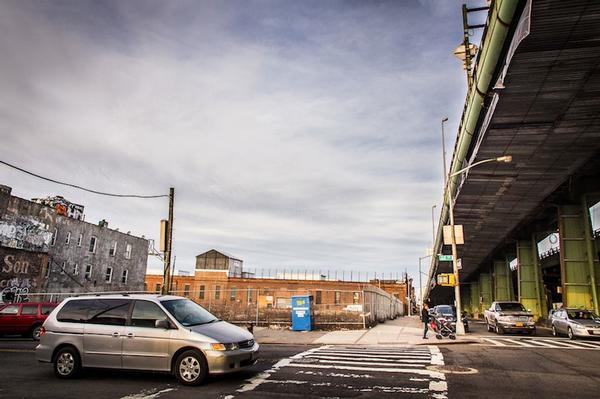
x=191, y=368
x=67, y=363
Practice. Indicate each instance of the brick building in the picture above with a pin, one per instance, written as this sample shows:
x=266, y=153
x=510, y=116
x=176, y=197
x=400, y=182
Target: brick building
x=46, y=246
x=220, y=286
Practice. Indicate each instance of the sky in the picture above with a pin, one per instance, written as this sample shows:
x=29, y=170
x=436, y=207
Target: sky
x=297, y=134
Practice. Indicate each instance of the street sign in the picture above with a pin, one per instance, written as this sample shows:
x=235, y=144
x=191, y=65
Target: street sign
x=445, y=258
x=445, y=279
x=459, y=264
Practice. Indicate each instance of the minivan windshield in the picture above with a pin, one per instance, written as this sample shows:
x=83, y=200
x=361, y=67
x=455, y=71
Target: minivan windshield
x=188, y=313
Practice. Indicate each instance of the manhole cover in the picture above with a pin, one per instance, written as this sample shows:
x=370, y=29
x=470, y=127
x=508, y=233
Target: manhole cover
x=450, y=369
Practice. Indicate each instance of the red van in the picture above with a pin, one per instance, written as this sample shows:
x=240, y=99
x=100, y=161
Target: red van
x=24, y=318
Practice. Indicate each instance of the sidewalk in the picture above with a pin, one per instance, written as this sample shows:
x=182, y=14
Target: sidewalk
x=403, y=331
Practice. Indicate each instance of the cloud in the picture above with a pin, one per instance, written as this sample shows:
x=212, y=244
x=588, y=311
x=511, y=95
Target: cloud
x=298, y=134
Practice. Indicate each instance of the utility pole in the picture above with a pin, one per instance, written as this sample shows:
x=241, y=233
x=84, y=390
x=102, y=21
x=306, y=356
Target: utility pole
x=168, y=245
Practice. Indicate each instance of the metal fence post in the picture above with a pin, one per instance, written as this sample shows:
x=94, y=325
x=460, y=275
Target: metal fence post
x=257, y=304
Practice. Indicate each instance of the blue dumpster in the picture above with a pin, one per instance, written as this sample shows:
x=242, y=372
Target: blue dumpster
x=301, y=314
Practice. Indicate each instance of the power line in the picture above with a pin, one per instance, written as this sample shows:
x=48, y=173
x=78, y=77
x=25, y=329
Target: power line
x=79, y=187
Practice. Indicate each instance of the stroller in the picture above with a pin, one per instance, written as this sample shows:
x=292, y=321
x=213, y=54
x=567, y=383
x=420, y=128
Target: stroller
x=442, y=328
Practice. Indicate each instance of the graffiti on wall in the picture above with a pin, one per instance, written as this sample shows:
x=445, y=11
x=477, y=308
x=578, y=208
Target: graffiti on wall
x=25, y=233
x=20, y=274
x=62, y=207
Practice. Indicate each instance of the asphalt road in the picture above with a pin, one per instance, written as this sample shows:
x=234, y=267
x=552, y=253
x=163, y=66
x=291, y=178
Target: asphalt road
x=550, y=371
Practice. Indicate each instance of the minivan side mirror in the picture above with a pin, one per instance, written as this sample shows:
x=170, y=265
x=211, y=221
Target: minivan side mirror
x=163, y=323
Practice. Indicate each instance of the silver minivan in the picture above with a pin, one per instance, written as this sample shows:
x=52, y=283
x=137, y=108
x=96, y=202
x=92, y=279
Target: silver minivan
x=143, y=332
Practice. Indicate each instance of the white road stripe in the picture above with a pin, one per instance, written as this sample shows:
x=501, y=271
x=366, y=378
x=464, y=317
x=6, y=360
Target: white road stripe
x=376, y=353
x=542, y=342
x=518, y=342
x=588, y=344
x=326, y=357
x=567, y=344
x=497, y=343
x=359, y=363
x=432, y=374
x=360, y=355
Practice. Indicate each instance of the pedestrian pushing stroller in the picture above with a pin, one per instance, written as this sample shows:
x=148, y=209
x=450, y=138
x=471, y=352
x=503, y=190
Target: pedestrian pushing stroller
x=442, y=328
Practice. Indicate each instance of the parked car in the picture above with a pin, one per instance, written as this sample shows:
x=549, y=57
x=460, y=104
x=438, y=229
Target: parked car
x=449, y=313
x=575, y=323
x=24, y=318
x=143, y=332
x=507, y=316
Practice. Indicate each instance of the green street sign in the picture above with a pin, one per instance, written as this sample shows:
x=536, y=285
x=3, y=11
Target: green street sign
x=445, y=258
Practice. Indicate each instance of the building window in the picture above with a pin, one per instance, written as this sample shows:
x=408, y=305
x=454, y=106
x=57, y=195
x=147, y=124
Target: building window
x=88, y=272
x=108, y=275
x=249, y=295
x=68, y=239
x=64, y=266
x=53, y=239
x=218, y=292
x=201, y=294
x=75, y=269
x=186, y=290
x=157, y=288
x=337, y=297
x=113, y=250
x=92, y=247
x=124, y=276
x=128, y=251
x=356, y=297
x=79, y=239
x=319, y=298
x=233, y=293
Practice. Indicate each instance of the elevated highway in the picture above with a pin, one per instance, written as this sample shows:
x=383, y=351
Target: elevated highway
x=536, y=96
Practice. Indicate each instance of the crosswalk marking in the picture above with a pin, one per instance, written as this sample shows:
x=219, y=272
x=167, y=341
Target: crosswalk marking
x=381, y=359
x=519, y=343
x=540, y=343
x=353, y=371
x=493, y=341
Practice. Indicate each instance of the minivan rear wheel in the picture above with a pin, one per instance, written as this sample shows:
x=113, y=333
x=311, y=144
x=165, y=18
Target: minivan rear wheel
x=67, y=363
x=191, y=368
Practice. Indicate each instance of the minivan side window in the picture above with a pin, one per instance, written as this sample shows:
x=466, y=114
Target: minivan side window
x=145, y=314
x=113, y=312
x=95, y=311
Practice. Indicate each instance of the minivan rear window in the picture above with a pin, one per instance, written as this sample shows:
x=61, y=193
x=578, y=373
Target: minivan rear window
x=95, y=311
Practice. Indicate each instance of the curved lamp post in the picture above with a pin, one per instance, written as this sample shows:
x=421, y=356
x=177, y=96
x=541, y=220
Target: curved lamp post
x=460, y=328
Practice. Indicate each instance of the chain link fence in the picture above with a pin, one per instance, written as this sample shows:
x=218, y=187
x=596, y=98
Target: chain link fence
x=331, y=309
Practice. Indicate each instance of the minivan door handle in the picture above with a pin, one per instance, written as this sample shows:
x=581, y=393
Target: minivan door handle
x=116, y=335
x=130, y=335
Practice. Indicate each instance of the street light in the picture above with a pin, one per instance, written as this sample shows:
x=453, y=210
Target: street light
x=460, y=328
x=420, y=283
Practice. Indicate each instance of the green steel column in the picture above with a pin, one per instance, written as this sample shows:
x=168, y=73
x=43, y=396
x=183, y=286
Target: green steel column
x=593, y=263
x=509, y=279
x=475, y=299
x=529, y=277
x=485, y=290
x=502, y=289
x=575, y=258
x=465, y=294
